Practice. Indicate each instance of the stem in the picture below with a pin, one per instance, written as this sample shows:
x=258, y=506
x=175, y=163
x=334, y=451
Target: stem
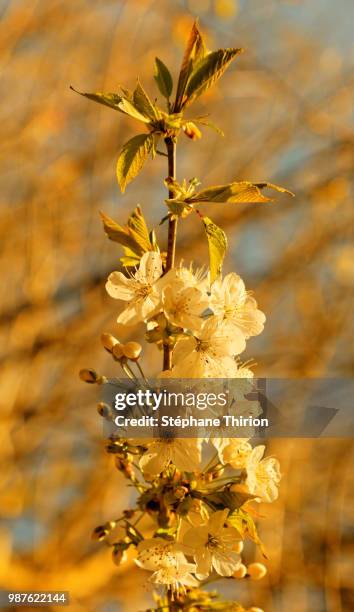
x=128, y=371
x=172, y=233
x=141, y=371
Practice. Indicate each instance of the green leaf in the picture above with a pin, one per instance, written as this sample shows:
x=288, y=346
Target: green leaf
x=143, y=103
x=135, y=238
x=163, y=78
x=129, y=109
x=132, y=158
x=244, y=523
x=117, y=233
x=195, y=51
x=238, y=192
x=174, y=121
x=217, y=243
x=229, y=499
x=139, y=230
x=275, y=187
x=118, y=103
x=129, y=260
x=207, y=71
x=109, y=99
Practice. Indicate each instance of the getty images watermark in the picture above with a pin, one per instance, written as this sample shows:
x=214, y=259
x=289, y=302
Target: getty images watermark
x=229, y=408
x=183, y=401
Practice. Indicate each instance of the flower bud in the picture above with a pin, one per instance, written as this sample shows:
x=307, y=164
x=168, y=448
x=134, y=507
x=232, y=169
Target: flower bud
x=132, y=350
x=191, y=130
x=256, y=571
x=110, y=525
x=238, y=547
x=119, y=555
x=117, y=352
x=100, y=532
x=104, y=410
x=114, y=447
x=240, y=572
x=253, y=609
x=109, y=342
x=91, y=377
x=129, y=513
x=125, y=467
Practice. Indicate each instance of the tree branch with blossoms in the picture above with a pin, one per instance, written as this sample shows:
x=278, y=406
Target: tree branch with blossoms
x=200, y=322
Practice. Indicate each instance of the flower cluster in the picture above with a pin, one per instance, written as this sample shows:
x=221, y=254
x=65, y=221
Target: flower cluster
x=206, y=325
x=202, y=514
x=194, y=497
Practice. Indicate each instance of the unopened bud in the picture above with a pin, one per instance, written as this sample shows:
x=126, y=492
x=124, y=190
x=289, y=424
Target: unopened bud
x=119, y=555
x=104, y=410
x=191, y=130
x=132, y=350
x=125, y=467
x=117, y=351
x=114, y=447
x=109, y=342
x=110, y=525
x=256, y=571
x=100, y=532
x=238, y=547
x=91, y=376
x=129, y=513
x=240, y=572
x=253, y=609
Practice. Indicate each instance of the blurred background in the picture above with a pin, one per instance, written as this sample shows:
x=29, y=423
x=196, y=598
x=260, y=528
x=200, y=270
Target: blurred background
x=286, y=107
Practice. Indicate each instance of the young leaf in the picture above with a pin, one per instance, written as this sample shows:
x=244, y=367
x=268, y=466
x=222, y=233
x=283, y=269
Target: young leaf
x=207, y=71
x=118, y=103
x=217, y=243
x=275, y=187
x=143, y=103
x=238, y=192
x=245, y=525
x=195, y=51
x=109, y=99
x=139, y=230
x=163, y=78
x=129, y=109
x=134, y=238
x=129, y=259
x=117, y=233
x=132, y=158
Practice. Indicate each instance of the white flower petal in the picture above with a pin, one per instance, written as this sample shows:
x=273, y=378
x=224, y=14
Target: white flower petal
x=226, y=564
x=120, y=287
x=150, y=268
x=129, y=315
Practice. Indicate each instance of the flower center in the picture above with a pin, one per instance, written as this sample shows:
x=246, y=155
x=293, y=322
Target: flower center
x=143, y=291
x=212, y=542
x=229, y=311
x=202, y=346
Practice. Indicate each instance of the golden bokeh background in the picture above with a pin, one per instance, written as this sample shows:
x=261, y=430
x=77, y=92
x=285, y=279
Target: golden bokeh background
x=286, y=107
